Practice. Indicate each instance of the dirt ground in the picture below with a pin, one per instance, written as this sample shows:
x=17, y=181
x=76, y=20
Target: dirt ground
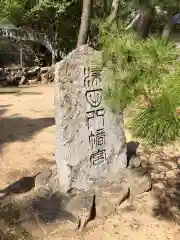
x=27, y=144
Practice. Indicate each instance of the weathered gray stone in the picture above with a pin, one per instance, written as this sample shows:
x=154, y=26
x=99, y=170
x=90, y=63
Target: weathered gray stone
x=44, y=80
x=137, y=180
x=45, y=69
x=43, y=177
x=23, y=79
x=82, y=207
x=104, y=208
x=90, y=139
x=20, y=76
x=108, y=197
x=135, y=162
x=33, y=81
x=101, y=184
x=158, y=186
x=117, y=193
x=141, y=185
x=47, y=77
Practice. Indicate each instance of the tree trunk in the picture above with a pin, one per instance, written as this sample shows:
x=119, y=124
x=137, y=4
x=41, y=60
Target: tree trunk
x=166, y=31
x=168, y=28
x=21, y=50
x=94, y=40
x=105, y=7
x=145, y=21
x=134, y=22
x=114, y=12
x=53, y=58
x=85, y=22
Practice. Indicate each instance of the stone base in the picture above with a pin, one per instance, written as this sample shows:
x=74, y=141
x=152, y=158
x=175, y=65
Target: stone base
x=45, y=208
x=104, y=197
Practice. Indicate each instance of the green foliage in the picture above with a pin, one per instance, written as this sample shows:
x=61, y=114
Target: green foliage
x=166, y=4
x=145, y=72
x=58, y=19
x=160, y=124
x=14, y=10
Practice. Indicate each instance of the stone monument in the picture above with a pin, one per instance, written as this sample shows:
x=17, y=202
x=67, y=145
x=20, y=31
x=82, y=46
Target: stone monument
x=90, y=139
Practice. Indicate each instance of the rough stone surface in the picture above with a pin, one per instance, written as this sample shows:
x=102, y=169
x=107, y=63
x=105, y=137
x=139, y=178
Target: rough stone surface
x=108, y=195
x=141, y=185
x=135, y=162
x=82, y=206
x=109, y=198
x=43, y=177
x=22, y=81
x=20, y=76
x=90, y=139
x=97, y=202
x=136, y=180
x=104, y=208
x=77, y=208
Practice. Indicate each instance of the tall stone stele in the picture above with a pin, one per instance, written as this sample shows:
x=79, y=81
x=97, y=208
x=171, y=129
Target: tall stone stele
x=90, y=139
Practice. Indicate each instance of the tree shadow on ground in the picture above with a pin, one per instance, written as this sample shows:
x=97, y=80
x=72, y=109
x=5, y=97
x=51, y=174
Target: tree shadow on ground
x=167, y=190
x=10, y=229
x=21, y=128
x=4, y=108
x=17, y=92
x=34, y=212
x=2, y=111
x=52, y=208
x=23, y=185
x=15, y=128
x=165, y=172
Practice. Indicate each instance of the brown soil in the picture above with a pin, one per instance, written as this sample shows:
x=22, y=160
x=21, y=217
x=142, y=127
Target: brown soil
x=27, y=144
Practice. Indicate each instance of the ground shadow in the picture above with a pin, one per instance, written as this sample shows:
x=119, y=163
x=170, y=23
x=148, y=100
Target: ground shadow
x=10, y=228
x=3, y=109
x=132, y=147
x=19, y=90
x=48, y=206
x=21, y=128
x=5, y=106
x=28, y=93
x=165, y=172
x=167, y=193
x=52, y=208
x=30, y=213
x=19, y=87
x=19, y=93
x=23, y=185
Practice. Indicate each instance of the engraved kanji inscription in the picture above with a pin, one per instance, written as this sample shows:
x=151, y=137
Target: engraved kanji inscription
x=94, y=97
x=95, y=113
x=97, y=140
x=92, y=83
x=98, y=157
x=87, y=72
x=100, y=137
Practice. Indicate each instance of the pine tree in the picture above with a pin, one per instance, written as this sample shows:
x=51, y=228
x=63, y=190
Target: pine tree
x=144, y=75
